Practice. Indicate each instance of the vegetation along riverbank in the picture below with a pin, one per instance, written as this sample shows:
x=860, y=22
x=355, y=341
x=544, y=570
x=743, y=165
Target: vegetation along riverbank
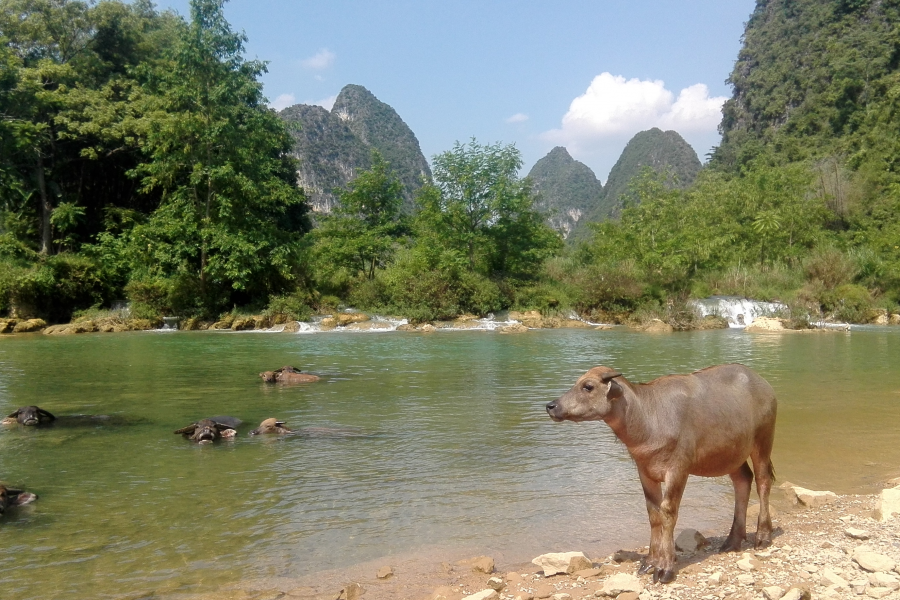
x=124, y=182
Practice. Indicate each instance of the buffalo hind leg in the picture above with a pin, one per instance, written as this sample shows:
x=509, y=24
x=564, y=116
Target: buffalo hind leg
x=765, y=475
x=742, y=480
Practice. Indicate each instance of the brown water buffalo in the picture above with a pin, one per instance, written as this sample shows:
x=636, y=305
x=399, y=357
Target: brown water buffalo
x=706, y=423
x=288, y=374
x=29, y=415
x=271, y=426
x=10, y=497
x=210, y=430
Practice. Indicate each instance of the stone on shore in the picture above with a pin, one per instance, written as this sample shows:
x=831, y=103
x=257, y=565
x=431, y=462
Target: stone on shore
x=562, y=562
x=773, y=592
x=479, y=564
x=621, y=583
x=352, y=591
x=348, y=318
x=811, y=498
x=384, y=572
x=888, y=504
x=483, y=595
x=857, y=534
x=873, y=561
x=496, y=583
x=690, y=540
x=657, y=326
x=29, y=326
x=514, y=328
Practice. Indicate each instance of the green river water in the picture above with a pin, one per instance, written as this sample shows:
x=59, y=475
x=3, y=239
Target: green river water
x=430, y=442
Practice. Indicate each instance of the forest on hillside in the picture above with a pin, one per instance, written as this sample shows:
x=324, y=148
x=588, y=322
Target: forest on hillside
x=140, y=165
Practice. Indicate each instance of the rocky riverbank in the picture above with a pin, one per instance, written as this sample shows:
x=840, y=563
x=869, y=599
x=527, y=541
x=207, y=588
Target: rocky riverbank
x=824, y=546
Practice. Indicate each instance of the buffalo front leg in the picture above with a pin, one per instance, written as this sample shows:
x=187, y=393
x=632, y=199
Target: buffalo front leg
x=668, y=510
x=654, y=498
x=742, y=479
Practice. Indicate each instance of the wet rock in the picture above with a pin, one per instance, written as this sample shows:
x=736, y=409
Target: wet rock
x=575, y=324
x=427, y=328
x=328, y=323
x=888, y=504
x=531, y=318
x=483, y=595
x=514, y=328
x=348, y=318
x=479, y=564
x=620, y=583
x=384, y=572
x=405, y=327
x=894, y=319
x=29, y=326
x=562, y=562
x=690, y=540
x=352, y=591
x=7, y=325
x=291, y=327
x=873, y=561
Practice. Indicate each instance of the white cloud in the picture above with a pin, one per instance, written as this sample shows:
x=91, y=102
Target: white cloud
x=322, y=59
x=283, y=101
x=613, y=109
x=325, y=103
x=517, y=118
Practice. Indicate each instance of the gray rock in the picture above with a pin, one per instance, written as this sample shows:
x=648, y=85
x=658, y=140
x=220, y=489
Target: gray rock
x=690, y=540
x=620, y=583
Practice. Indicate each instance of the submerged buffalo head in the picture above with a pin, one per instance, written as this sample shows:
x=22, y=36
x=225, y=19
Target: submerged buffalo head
x=29, y=415
x=10, y=497
x=271, y=426
x=268, y=376
x=207, y=430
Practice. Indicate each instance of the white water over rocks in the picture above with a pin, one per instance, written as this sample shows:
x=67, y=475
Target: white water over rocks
x=739, y=312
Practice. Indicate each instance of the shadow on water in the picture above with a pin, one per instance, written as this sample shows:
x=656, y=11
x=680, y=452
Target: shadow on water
x=419, y=442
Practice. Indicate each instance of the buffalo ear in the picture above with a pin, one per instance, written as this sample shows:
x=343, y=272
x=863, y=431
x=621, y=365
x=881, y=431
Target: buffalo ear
x=44, y=413
x=13, y=415
x=189, y=430
x=615, y=390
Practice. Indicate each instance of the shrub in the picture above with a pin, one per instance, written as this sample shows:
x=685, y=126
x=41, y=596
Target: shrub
x=56, y=286
x=292, y=307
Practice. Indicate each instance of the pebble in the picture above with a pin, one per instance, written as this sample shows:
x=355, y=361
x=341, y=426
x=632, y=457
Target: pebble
x=857, y=534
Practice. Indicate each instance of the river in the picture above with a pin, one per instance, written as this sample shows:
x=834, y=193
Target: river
x=422, y=441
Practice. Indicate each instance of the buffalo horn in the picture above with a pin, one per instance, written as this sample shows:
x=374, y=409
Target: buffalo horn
x=607, y=377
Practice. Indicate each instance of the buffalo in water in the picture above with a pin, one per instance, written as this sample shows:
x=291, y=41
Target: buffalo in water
x=288, y=374
x=29, y=415
x=271, y=426
x=10, y=497
x=209, y=430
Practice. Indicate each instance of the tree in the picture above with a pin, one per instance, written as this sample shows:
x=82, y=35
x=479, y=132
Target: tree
x=479, y=211
x=231, y=214
x=364, y=228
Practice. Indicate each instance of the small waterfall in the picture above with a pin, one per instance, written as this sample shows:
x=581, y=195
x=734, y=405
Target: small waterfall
x=170, y=323
x=739, y=312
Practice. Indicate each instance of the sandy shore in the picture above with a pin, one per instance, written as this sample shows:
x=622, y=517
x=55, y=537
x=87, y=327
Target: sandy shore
x=817, y=552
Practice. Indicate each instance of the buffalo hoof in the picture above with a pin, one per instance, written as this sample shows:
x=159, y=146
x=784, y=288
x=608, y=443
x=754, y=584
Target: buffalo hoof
x=664, y=576
x=731, y=546
x=763, y=543
x=646, y=567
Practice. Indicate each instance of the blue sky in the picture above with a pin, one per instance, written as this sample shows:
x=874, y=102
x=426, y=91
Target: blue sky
x=586, y=75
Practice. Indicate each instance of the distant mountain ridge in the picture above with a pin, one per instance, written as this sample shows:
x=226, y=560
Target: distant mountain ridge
x=663, y=151
x=566, y=189
x=333, y=147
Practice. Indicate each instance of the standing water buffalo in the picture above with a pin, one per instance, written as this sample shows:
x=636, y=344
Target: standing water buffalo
x=706, y=423
x=29, y=415
x=271, y=426
x=287, y=374
x=210, y=430
x=10, y=497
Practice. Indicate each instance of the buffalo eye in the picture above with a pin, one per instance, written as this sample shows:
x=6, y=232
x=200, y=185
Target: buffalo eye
x=588, y=387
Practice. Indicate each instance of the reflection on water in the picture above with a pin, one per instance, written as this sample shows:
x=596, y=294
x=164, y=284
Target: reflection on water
x=454, y=448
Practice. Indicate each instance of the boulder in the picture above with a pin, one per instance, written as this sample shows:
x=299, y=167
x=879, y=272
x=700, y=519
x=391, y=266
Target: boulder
x=796, y=594
x=857, y=534
x=496, y=583
x=773, y=592
x=405, y=327
x=811, y=498
x=894, y=319
x=873, y=561
x=483, y=595
x=514, y=328
x=7, y=325
x=620, y=583
x=884, y=580
x=243, y=324
x=291, y=327
x=575, y=324
x=427, y=328
x=348, y=318
x=690, y=540
x=562, y=562
x=657, y=326
x=531, y=318
x=29, y=326
x=328, y=323
x=888, y=504
x=765, y=324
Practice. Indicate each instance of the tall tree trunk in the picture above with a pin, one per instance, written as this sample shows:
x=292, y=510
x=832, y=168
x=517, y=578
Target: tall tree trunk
x=46, y=208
